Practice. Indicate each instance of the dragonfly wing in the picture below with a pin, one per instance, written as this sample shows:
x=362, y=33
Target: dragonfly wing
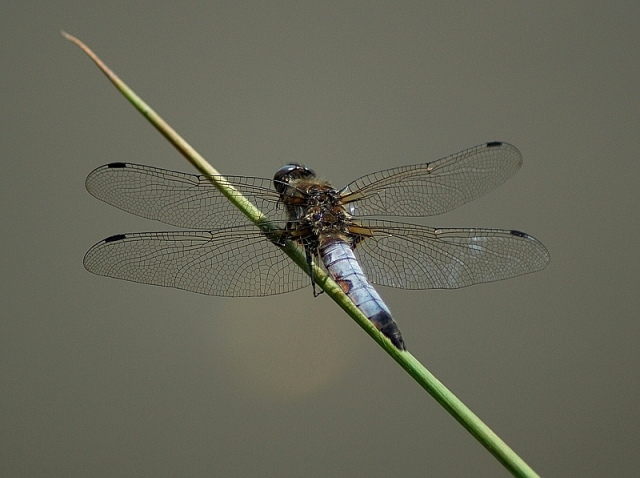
x=232, y=262
x=410, y=256
x=433, y=188
x=179, y=199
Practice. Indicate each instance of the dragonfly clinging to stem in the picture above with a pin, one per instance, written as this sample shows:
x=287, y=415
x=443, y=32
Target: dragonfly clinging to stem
x=224, y=255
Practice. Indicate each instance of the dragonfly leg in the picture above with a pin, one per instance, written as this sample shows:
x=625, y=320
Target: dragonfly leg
x=309, y=257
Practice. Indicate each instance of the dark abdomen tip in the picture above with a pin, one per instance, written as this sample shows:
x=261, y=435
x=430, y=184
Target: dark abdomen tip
x=385, y=324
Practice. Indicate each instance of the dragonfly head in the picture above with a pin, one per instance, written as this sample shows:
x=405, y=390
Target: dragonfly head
x=290, y=172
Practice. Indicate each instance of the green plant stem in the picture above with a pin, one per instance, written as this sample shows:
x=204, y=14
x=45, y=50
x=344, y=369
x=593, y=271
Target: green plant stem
x=432, y=385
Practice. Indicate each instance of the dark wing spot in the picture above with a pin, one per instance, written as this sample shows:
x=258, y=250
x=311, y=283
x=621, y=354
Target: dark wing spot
x=117, y=237
x=117, y=165
x=494, y=144
x=519, y=233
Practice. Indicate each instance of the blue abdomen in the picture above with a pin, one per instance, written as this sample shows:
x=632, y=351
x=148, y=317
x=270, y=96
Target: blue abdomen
x=343, y=266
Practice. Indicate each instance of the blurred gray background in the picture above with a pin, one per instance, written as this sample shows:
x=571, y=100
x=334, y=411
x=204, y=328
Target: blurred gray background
x=100, y=377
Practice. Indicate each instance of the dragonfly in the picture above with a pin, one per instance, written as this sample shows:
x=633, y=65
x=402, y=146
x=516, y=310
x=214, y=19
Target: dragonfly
x=340, y=230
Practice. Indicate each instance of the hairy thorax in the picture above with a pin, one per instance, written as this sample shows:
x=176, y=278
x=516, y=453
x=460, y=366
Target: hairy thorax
x=315, y=213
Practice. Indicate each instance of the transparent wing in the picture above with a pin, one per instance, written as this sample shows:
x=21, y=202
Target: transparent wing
x=232, y=262
x=410, y=256
x=433, y=188
x=179, y=199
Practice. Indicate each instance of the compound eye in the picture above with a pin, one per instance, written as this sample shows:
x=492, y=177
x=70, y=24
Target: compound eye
x=285, y=171
x=289, y=172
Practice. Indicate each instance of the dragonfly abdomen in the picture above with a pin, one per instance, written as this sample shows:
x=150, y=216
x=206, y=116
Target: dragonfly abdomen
x=343, y=266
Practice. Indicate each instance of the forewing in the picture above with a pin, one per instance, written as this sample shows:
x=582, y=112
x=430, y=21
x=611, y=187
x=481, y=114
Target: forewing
x=179, y=199
x=433, y=188
x=410, y=256
x=233, y=262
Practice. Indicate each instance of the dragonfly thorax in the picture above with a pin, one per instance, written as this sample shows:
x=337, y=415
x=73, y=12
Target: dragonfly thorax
x=316, y=213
